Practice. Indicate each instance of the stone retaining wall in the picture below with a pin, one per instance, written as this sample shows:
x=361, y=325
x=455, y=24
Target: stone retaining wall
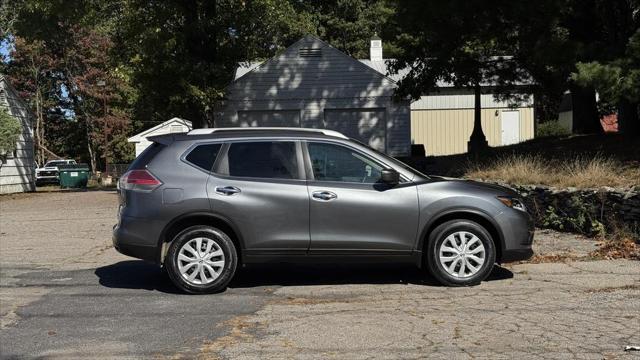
x=588, y=211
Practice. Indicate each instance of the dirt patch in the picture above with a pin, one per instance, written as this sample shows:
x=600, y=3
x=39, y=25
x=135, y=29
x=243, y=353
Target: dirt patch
x=617, y=249
x=242, y=330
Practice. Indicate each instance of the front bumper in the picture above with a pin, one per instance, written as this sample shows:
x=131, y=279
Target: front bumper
x=517, y=230
x=47, y=179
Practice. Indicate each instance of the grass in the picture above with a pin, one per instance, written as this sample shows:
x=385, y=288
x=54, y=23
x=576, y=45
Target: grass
x=579, y=171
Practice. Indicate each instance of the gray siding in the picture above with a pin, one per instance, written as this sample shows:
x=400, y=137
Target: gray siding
x=17, y=174
x=310, y=85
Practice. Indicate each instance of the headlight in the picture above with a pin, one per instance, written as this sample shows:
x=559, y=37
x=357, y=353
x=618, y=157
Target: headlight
x=513, y=203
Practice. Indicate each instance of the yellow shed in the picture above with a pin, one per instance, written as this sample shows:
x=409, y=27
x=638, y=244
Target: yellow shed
x=443, y=122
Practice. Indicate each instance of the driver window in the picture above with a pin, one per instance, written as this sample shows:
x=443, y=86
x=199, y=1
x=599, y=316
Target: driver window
x=338, y=163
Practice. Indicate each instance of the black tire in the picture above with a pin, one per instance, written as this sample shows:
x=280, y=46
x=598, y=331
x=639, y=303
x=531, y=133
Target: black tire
x=440, y=234
x=225, y=244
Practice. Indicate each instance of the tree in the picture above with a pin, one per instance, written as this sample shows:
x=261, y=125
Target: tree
x=468, y=44
x=10, y=130
x=613, y=65
x=348, y=25
x=182, y=54
x=34, y=72
x=93, y=88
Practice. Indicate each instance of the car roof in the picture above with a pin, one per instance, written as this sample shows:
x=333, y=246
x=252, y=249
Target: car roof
x=252, y=133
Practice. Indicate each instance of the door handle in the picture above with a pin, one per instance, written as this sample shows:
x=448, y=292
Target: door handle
x=227, y=190
x=324, y=195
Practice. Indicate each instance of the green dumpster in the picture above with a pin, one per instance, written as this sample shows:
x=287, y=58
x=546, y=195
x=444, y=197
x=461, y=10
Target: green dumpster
x=73, y=175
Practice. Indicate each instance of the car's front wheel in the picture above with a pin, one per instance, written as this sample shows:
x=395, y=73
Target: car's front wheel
x=460, y=253
x=201, y=259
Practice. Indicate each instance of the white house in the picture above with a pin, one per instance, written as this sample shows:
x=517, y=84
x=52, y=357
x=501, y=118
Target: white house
x=175, y=125
x=17, y=171
x=312, y=84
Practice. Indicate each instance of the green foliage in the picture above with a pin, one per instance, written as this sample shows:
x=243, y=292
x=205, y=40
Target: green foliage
x=349, y=25
x=615, y=80
x=551, y=129
x=575, y=214
x=10, y=130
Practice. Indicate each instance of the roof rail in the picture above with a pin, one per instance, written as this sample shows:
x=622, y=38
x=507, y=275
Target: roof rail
x=209, y=131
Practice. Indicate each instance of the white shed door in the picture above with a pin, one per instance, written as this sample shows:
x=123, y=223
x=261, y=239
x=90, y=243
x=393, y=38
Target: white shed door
x=365, y=125
x=268, y=118
x=510, y=127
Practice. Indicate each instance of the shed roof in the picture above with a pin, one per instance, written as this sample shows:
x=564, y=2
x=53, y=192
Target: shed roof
x=176, y=120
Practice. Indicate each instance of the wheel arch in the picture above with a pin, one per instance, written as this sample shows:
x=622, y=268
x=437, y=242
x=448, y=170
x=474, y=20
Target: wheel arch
x=474, y=215
x=198, y=218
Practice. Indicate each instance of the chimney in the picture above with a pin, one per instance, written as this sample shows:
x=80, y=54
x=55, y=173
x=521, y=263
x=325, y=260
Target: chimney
x=375, y=51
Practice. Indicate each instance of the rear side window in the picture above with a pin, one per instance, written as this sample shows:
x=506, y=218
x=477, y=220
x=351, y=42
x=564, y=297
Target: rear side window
x=147, y=155
x=266, y=159
x=203, y=156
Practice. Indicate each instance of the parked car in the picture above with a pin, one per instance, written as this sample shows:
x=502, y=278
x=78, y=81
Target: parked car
x=49, y=172
x=200, y=204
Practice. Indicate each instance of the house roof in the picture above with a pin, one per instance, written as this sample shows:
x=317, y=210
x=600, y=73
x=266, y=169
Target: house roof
x=176, y=120
x=247, y=67
x=380, y=66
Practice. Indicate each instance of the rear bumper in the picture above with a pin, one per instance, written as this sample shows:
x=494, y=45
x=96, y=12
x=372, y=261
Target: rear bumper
x=124, y=242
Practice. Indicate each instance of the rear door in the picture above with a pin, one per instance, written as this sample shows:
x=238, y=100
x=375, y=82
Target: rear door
x=351, y=210
x=259, y=186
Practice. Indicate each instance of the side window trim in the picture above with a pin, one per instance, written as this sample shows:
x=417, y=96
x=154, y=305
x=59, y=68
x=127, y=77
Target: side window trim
x=221, y=166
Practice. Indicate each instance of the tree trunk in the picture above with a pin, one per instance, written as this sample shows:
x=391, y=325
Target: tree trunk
x=92, y=155
x=585, y=111
x=628, y=117
x=478, y=141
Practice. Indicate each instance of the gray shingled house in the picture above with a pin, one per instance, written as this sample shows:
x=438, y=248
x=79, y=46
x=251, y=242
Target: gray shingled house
x=312, y=84
x=17, y=171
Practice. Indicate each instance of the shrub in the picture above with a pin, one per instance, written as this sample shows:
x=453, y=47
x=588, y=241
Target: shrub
x=551, y=128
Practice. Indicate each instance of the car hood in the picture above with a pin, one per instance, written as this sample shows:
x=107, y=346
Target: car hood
x=477, y=185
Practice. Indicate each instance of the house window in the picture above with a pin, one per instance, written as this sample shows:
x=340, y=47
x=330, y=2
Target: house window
x=176, y=129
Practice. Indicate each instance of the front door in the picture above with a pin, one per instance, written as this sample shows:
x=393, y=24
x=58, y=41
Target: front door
x=259, y=186
x=510, y=127
x=351, y=210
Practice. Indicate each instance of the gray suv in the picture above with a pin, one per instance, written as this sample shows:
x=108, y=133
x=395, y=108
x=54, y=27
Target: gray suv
x=203, y=203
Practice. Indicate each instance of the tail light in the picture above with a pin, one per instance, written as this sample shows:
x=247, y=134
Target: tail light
x=139, y=180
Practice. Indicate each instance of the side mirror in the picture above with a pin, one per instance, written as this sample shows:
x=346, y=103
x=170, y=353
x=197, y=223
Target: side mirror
x=390, y=176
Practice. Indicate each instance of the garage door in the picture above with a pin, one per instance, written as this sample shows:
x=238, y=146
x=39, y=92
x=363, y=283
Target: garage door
x=365, y=125
x=275, y=118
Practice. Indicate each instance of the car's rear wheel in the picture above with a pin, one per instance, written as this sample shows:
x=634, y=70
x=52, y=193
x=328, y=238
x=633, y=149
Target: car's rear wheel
x=460, y=253
x=201, y=259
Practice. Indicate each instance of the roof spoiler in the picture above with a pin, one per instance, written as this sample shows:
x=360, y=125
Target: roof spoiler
x=165, y=139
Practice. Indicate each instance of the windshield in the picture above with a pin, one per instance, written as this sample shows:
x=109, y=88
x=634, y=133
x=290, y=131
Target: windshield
x=54, y=163
x=392, y=160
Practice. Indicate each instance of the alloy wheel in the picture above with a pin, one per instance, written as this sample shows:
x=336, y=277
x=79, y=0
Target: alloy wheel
x=200, y=261
x=462, y=254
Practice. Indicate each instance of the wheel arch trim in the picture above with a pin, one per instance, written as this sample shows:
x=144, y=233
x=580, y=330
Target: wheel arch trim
x=471, y=214
x=163, y=241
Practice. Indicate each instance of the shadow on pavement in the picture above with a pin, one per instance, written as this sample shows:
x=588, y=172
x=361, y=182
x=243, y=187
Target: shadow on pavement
x=145, y=276
x=135, y=274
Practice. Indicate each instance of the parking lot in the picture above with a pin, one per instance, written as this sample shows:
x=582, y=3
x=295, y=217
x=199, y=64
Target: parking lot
x=65, y=292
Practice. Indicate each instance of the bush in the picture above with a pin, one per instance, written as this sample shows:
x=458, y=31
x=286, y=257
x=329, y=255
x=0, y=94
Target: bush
x=551, y=128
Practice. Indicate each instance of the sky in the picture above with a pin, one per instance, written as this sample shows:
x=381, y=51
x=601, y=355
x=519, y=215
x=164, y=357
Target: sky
x=5, y=47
